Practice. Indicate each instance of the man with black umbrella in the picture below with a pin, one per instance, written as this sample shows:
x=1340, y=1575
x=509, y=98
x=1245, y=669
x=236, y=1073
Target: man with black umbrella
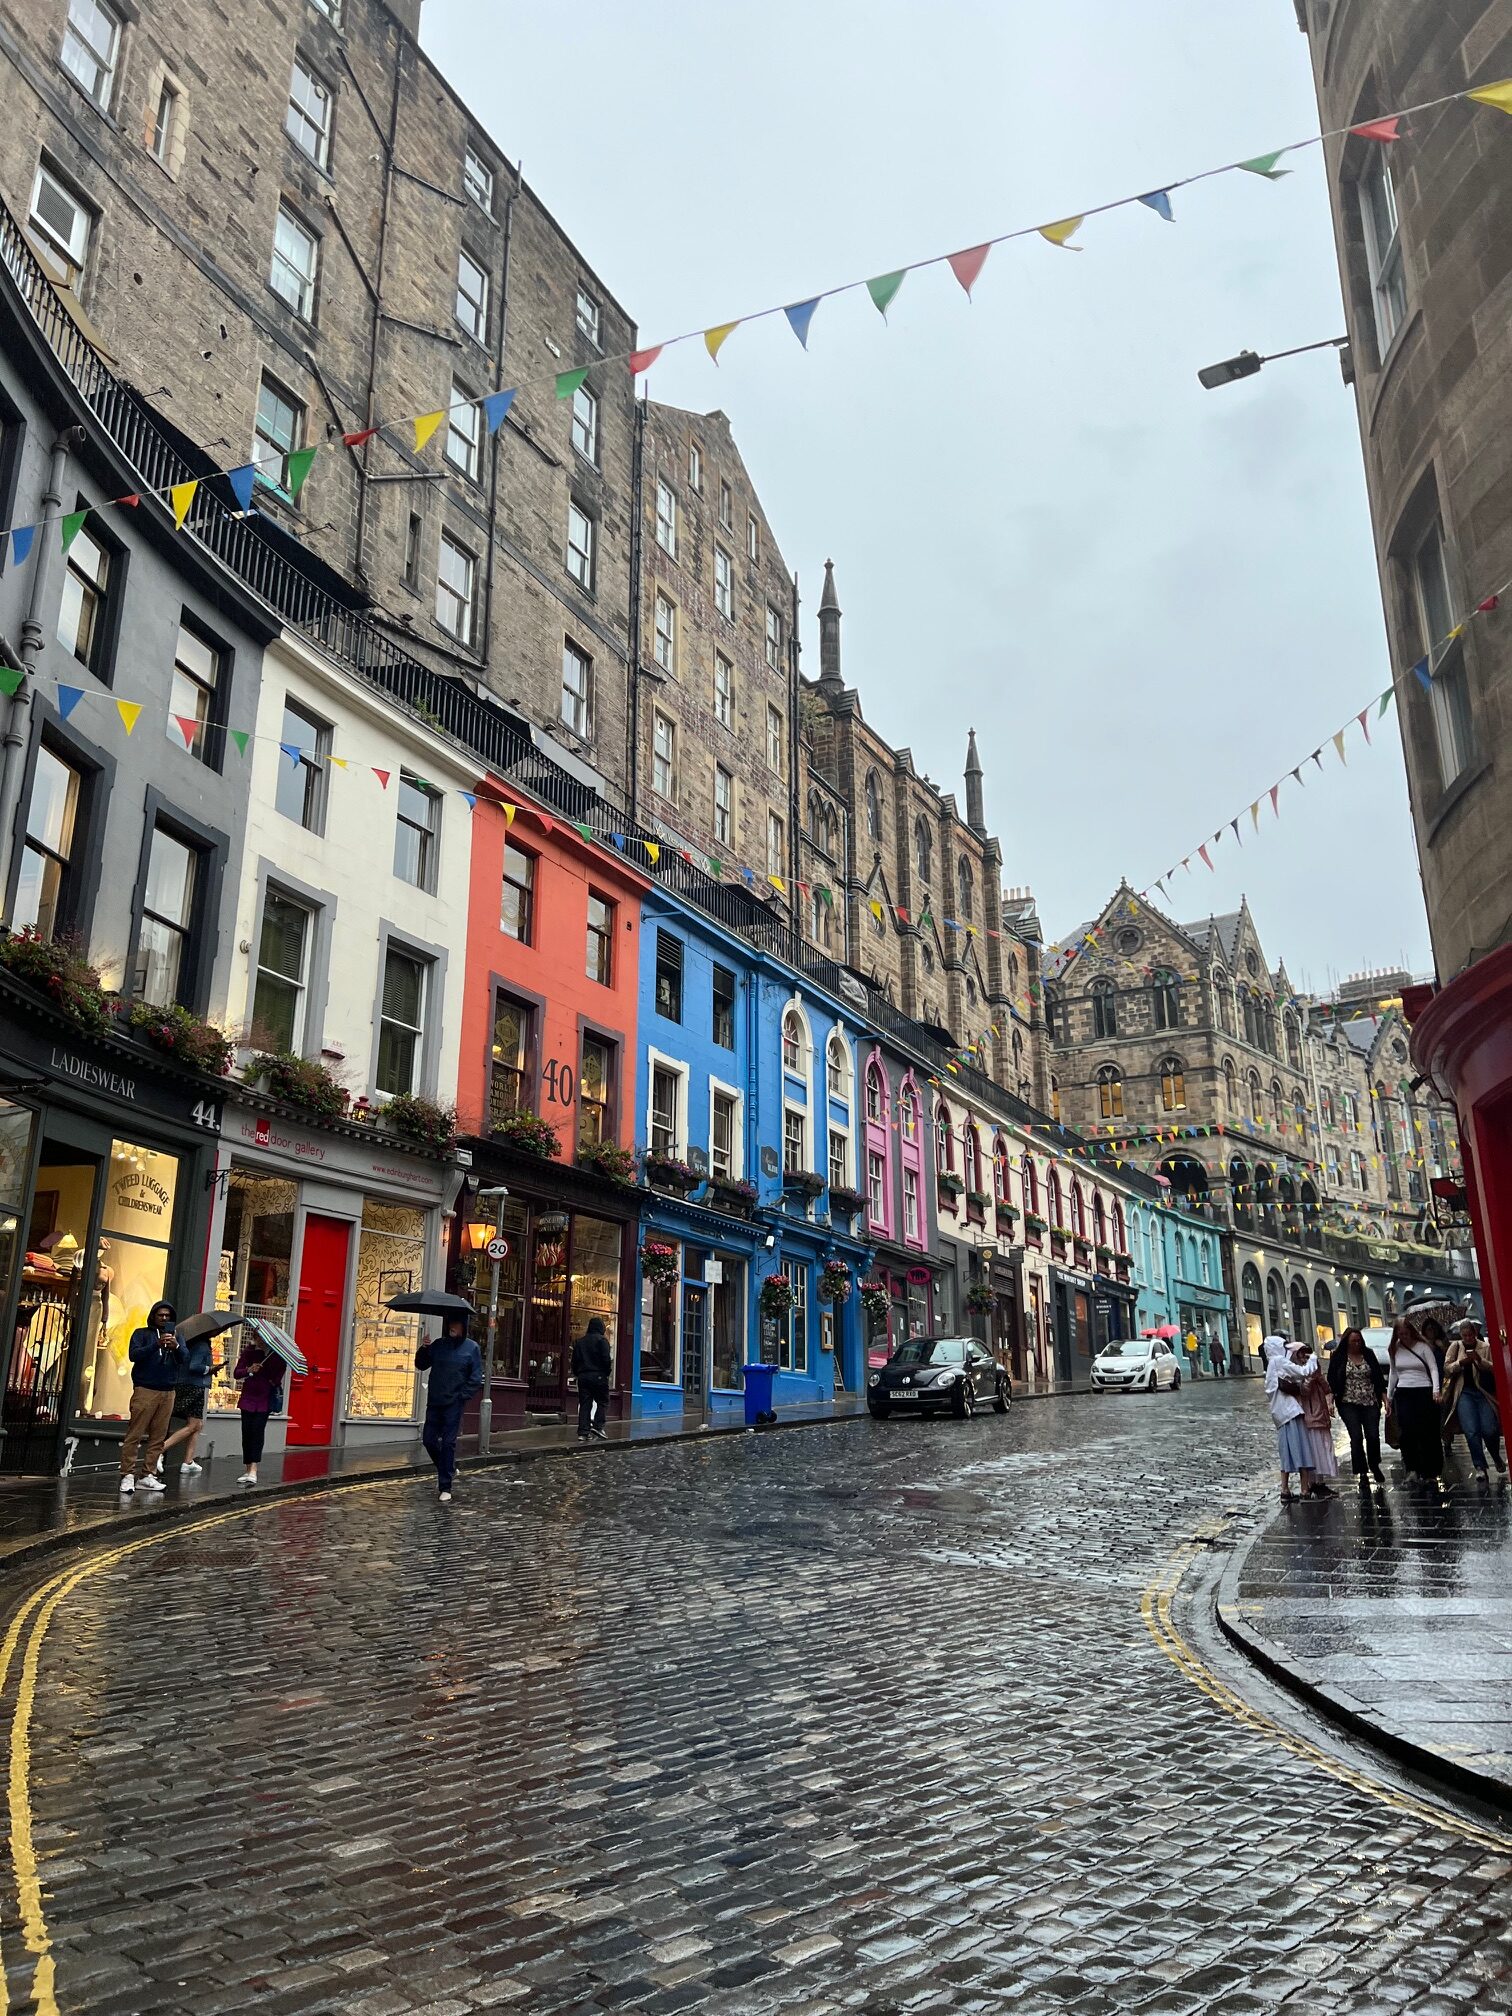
x=455, y=1366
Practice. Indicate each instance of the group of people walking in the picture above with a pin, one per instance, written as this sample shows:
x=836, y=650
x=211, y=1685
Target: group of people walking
x=1437, y=1382
x=170, y=1380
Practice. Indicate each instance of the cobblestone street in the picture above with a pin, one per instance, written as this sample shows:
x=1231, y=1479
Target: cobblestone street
x=854, y=1717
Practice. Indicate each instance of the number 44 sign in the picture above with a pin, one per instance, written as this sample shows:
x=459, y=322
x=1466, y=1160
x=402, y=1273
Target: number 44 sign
x=206, y=1114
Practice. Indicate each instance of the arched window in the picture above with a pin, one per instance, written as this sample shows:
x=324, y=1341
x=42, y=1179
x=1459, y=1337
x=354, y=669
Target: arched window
x=1206, y=1255
x=1078, y=1210
x=1299, y=1112
x=1167, y=992
x=1053, y=1197
x=1178, y=1257
x=837, y=1066
x=874, y=1096
x=1104, y=1008
x=1031, y=1183
x=1224, y=995
x=1268, y=1021
x=964, y=889
x=944, y=1139
x=922, y=847
x=1251, y=1020
x=975, y=1174
x=1293, y=1041
x=820, y=919
x=1120, y=1229
x=1134, y=1235
x=1275, y=1302
x=1110, y=1092
x=1054, y=1027
x=1256, y=1097
x=1099, y=1219
x=1325, y=1106
x=792, y=1041
x=908, y=1113
x=1349, y=1118
x=1000, y=1188
x=873, y=807
x=1239, y=1193
x=1018, y=1055
x=1172, y=1085
x=1278, y=1110
x=1230, y=1088
x=1055, y=1112
x=1357, y=1169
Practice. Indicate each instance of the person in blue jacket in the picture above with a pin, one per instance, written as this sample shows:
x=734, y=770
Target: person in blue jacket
x=157, y=1359
x=196, y=1368
x=455, y=1366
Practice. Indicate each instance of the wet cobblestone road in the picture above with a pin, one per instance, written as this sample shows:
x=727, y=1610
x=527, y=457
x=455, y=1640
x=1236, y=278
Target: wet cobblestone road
x=858, y=1717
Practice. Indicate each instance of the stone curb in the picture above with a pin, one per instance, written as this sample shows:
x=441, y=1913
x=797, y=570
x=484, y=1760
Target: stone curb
x=18, y=1563
x=1291, y=1673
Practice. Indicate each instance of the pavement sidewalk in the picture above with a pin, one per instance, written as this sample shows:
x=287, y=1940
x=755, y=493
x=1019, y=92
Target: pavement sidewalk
x=1392, y=1614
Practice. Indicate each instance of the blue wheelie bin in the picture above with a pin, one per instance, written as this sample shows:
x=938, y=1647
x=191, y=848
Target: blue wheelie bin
x=758, y=1395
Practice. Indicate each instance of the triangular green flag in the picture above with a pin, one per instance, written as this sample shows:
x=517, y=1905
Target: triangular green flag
x=714, y=866
x=1265, y=164
x=586, y=831
x=296, y=468
x=241, y=737
x=883, y=290
x=568, y=382
x=10, y=679
x=72, y=525
x=1385, y=701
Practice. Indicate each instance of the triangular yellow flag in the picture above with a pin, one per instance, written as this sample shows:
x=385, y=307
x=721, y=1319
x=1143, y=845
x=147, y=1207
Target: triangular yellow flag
x=426, y=425
x=339, y=761
x=181, y=496
x=714, y=339
x=876, y=909
x=776, y=882
x=1499, y=95
x=1059, y=233
x=509, y=816
x=1338, y=742
x=653, y=851
x=128, y=711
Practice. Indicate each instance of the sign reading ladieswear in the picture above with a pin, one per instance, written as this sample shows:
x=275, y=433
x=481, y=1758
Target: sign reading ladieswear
x=379, y=1163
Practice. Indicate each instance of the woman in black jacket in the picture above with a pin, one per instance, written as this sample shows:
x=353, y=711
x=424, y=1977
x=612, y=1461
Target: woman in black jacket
x=1359, y=1387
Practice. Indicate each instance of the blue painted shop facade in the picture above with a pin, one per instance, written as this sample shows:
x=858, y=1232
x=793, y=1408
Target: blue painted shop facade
x=746, y=1112
x=1178, y=1270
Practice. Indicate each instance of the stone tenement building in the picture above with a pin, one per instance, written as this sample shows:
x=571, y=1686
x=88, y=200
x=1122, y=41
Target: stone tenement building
x=285, y=226
x=1311, y=1141
x=1426, y=262
x=718, y=652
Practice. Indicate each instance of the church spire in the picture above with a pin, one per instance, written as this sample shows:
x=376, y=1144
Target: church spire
x=975, y=816
x=829, y=631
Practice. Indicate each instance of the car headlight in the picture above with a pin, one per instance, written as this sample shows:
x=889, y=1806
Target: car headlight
x=875, y=1379
x=945, y=1378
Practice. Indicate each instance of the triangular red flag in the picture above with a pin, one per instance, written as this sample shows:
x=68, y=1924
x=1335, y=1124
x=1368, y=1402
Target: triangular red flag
x=1275, y=793
x=134, y=498
x=188, y=728
x=1203, y=851
x=1380, y=129
x=356, y=440
x=1363, y=717
x=967, y=266
x=547, y=825
x=1492, y=602
x=382, y=775
x=642, y=360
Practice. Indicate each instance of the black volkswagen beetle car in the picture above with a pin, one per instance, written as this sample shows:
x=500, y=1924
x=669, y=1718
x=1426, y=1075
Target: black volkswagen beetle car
x=955, y=1372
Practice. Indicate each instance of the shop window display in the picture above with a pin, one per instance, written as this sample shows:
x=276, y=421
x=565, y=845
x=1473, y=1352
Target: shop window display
x=390, y=1261
x=661, y=1307
x=254, y=1279
x=729, y=1325
x=130, y=1272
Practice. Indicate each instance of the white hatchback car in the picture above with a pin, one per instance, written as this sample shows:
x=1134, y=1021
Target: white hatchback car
x=1136, y=1365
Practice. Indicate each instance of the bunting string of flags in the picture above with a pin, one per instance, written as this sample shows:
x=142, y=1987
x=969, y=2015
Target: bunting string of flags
x=417, y=430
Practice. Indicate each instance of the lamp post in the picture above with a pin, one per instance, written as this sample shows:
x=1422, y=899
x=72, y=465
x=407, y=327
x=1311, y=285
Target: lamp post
x=1248, y=362
x=498, y=1196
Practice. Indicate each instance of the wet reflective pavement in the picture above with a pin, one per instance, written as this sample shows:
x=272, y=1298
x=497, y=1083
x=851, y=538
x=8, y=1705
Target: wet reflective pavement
x=1398, y=1608
x=865, y=1717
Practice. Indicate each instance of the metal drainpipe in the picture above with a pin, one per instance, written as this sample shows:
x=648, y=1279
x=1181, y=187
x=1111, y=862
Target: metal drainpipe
x=498, y=381
x=360, y=567
x=33, y=637
x=637, y=486
x=795, y=799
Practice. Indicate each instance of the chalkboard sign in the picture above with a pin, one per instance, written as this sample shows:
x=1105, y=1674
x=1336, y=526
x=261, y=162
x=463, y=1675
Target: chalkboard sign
x=698, y=1160
x=770, y=1166
x=769, y=1340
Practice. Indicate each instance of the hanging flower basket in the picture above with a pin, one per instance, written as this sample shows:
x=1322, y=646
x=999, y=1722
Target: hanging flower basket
x=660, y=1262
x=177, y=1033
x=1007, y=1214
x=835, y=1282
x=951, y=1184
x=1105, y=1252
x=609, y=1160
x=848, y=1201
x=731, y=1193
x=978, y=1199
x=875, y=1300
x=1033, y=1222
x=776, y=1295
x=668, y=1172
x=528, y=1132
x=300, y=1082
x=808, y=1182
x=979, y=1299
x=70, y=983
x=420, y=1120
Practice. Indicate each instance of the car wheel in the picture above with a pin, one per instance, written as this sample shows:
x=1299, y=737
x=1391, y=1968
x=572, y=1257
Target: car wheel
x=878, y=1412
x=1002, y=1400
x=1176, y=1382
x=963, y=1400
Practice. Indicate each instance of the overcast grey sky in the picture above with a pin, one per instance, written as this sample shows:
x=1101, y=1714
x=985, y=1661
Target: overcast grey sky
x=1148, y=599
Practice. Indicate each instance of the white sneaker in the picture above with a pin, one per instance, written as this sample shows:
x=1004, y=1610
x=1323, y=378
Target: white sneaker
x=446, y=1497
x=190, y=1469
x=246, y=1480
x=152, y=1482
x=128, y=1486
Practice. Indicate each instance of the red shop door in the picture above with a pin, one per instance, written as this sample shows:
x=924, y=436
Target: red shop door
x=317, y=1326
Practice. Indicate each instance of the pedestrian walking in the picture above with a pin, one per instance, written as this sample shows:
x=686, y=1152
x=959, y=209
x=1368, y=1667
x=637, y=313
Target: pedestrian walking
x=1436, y=1337
x=1317, y=1415
x=156, y=1359
x=1470, y=1398
x=261, y=1374
x=1293, y=1445
x=1217, y=1355
x=1359, y=1387
x=592, y=1367
x=1413, y=1394
x=455, y=1366
x=195, y=1371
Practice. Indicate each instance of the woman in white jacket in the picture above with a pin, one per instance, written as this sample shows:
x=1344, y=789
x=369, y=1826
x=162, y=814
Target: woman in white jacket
x=1293, y=1444
x=1412, y=1399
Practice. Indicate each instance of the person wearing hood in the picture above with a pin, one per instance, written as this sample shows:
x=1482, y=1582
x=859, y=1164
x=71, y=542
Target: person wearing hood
x=157, y=1360
x=1317, y=1415
x=592, y=1367
x=1283, y=1391
x=455, y=1365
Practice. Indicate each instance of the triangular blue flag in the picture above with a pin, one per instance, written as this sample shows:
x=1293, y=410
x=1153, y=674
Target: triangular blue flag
x=748, y=874
x=1159, y=200
x=241, y=481
x=21, y=541
x=472, y=799
x=69, y=698
x=799, y=317
x=495, y=406
x=619, y=841
x=1421, y=669
x=292, y=750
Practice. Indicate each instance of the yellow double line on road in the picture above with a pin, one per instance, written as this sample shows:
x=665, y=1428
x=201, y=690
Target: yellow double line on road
x=1155, y=1609
x=31, y=1622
